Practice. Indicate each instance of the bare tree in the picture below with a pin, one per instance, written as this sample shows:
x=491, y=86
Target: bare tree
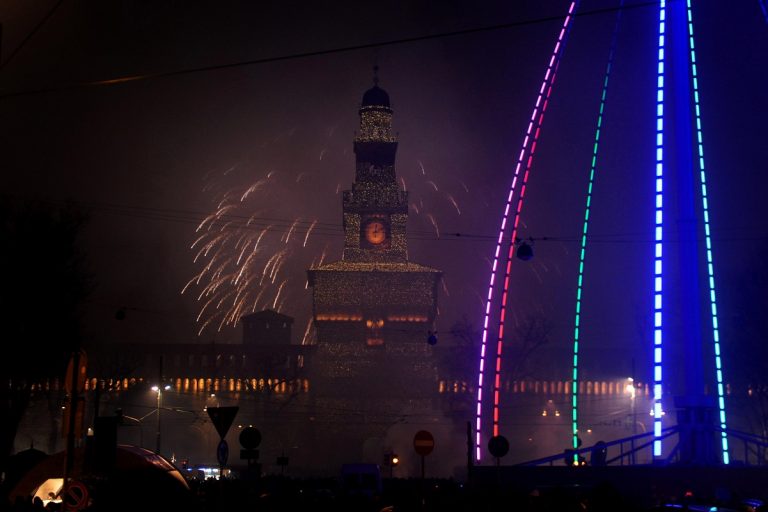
x=44, y=285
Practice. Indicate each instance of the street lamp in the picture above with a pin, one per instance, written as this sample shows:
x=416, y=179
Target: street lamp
x=159, y=391
x=630, y=390
x=391, y=459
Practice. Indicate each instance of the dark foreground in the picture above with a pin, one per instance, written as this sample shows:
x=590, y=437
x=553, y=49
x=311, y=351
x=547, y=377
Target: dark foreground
x=559, y=489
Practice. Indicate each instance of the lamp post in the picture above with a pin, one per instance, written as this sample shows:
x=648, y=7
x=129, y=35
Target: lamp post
x=159, y=391
x=630, y=390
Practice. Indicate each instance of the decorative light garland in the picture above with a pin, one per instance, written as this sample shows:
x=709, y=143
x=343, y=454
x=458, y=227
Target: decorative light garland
x=708, y=241
x=657, y=261
x=582, y=253
x=536, y=118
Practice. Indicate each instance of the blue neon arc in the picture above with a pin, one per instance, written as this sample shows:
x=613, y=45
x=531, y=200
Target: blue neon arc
x=708, y=241
x=658, y=237
x=582, y=252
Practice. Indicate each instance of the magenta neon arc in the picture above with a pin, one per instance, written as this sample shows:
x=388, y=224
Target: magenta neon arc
x=530, y=141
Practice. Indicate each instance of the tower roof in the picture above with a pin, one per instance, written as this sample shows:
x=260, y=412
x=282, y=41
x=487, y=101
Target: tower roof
x=375, y=97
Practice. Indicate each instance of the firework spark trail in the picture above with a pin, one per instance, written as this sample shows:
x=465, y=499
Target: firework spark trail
x=213, y=259
x=253, y=188
x=205, y=324
x=263, y=232
x=245, y=266
x=306, y=237
x=205, y=221
x=434, y=185
x=276, y=268
x=202, y=310
x=421, y=165
x=402, y=182
x=245, y=234
x=226, y=200
x=279, y=289
x=242, y=251
x=434, y=223
x=223, y=299
x=195, y=278
x=454, y=203
x=197, y=241
x=307, y=332
x=235, y=312
x=267, y=266
x=212, y=286
x=322, y=256
x=536, y=273
x=290, y=231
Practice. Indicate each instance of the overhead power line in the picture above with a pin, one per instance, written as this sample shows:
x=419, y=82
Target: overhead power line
x=313, y=53
x=30, y=35
x=333, y=229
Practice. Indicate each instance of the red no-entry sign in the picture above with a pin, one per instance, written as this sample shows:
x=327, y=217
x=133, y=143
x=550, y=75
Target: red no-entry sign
x=423, y=442
x=76, y=496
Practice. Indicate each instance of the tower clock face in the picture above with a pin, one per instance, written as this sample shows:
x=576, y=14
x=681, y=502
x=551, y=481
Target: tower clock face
x=375, y=232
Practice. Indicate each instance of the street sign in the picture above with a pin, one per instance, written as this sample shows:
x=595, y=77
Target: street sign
x=222, y=418
x=250, y=438
x=76, y=496
x=222, y=452
x=423, y=443
x=498, y=446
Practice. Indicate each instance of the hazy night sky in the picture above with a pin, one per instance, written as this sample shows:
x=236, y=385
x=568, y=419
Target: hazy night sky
x=149, y=159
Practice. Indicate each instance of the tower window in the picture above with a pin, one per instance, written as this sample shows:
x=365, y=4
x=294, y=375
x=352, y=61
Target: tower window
x=374, y=335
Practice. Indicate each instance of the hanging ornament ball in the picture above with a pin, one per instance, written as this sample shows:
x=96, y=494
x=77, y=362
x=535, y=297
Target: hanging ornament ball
x=525, y=251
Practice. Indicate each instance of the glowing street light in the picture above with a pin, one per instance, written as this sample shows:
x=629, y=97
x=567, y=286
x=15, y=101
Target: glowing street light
x=159, y=391
x=631, y=391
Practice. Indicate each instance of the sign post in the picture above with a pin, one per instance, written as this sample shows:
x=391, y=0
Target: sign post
x=499, y=447
x=423, y=444
x=250, y=438
x=222, y=418
x=74, y=384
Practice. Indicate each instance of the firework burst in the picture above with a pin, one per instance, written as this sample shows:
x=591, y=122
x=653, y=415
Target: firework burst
x=272, y=218
x=255, y=247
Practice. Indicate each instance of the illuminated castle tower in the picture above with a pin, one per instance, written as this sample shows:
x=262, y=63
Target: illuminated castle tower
x=373, y=309
x=374, y=297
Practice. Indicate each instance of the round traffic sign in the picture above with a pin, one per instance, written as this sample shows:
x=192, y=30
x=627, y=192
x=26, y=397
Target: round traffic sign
x=76, y=496
x=498, y=446
x=423, y=442
x=250, y=438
